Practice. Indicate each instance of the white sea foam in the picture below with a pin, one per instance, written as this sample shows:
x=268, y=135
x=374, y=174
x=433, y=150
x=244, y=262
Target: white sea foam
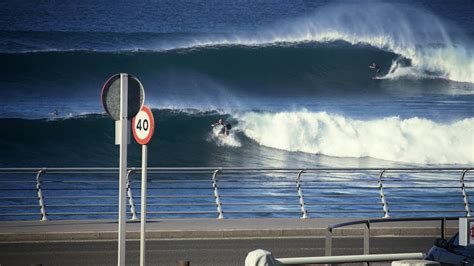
x=221, y=140
x=413, y=140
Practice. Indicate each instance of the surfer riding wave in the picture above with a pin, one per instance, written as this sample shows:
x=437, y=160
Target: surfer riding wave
x=225, y=127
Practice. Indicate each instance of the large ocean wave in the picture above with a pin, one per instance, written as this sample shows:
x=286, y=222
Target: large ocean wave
x=433, y=47
x=263, y=139
x=414, y=140
x=223, y=73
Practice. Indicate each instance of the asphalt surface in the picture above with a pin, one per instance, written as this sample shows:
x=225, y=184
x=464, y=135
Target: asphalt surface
x=207, y=228
x=197, y=251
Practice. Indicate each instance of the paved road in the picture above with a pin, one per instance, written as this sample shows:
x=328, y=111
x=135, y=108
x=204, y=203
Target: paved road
x=197, y=251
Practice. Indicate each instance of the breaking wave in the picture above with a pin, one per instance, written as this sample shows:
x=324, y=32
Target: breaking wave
x=433, y=47
x=414, y=140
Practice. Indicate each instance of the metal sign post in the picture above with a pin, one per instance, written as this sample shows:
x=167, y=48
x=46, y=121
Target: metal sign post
x=143, y=128
x=143, y=206
x=123, y=168
x=122, y=98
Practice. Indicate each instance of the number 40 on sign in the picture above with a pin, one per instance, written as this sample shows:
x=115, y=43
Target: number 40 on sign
x=143, y=126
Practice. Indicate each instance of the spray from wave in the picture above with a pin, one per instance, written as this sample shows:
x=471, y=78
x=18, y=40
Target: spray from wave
x=414, y=140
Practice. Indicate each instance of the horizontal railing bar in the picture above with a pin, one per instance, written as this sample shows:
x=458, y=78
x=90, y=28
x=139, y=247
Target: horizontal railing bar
x=262, y=211
x=19, y=214
x=259, y=196
x=174, y=181
x=293, y=196
x=415, y=187
x=223, y=169
x=258, y=188
x=179, y=204
x=81, y=213
x=419, y=211
x=338, y=187
x=190, y=212
x=223, y=180
x=389, y=195
x=178, y=188
x=344, y=204
x=260, y=203
x=256, y=180
x=80, y=197
x=349, y=259
x=15, y=198
x=343, y=196
x=18, y=206
x=75, y=182
x=177, y=197
x=17, y=189
x=384, y=220
x=81, y=205
x=180, y=197
x=419, y=180
x=424, y=203
x=16, y=181
x=77, y=189
x=347, y=211
x=305, y=187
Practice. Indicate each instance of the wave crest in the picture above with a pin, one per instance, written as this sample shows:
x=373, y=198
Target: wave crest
x=435, y=48
x=413, y=140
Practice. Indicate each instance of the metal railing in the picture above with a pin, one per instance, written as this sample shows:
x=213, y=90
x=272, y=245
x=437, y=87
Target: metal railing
x=205, y=192
x=350, y=258
x=367, y=226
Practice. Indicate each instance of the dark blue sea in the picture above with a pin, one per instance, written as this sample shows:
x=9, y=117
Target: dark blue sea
x=292, y=77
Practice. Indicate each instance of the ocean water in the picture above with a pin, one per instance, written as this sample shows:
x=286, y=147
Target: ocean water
x=291, y=76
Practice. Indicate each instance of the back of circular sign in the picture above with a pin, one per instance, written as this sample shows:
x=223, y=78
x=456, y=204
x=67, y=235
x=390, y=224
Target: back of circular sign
x=111, y=96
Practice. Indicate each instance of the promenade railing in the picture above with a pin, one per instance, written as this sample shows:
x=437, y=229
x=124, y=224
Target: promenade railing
x=207, y=192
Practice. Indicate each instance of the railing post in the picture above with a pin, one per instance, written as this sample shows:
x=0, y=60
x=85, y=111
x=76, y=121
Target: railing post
x=367, y=238
x=464, y=194
x=328, y=246
x=443, y=228
x=130, y=198
x=216, y=195
x=382, y=195
x=40, y=196
x=304, y=213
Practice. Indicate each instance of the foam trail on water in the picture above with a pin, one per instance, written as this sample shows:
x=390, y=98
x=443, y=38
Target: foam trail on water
x=413, y=140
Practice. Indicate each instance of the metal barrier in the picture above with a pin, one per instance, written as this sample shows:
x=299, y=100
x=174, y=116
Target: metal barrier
x=350, y=258
x=367, y=224
x=205, y=192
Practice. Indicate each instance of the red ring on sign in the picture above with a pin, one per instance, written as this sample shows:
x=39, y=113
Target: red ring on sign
x=144, y=141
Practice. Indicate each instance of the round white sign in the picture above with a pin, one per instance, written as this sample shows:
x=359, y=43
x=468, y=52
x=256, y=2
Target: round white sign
x=110, y=96
x=143, y=125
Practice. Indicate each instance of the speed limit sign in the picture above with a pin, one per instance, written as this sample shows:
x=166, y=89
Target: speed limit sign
x=143, y=125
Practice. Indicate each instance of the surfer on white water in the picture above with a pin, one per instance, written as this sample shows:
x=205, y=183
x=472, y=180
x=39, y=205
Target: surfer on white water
x=225, y=127
x=375, y=67
x=55, y=112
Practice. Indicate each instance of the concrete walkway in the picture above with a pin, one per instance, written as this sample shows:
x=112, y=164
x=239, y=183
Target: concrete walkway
x=20, y=231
